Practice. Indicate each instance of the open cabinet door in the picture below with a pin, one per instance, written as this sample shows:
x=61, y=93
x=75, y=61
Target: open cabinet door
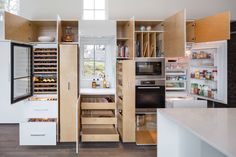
x=21, y=72
x=213, y=28
x=175, y=35
x=59, y=29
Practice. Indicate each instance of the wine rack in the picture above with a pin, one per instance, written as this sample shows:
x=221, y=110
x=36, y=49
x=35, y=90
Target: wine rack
x=45, y=70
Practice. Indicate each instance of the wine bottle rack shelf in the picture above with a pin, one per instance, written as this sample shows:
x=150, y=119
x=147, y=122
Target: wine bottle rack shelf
x=45, y=71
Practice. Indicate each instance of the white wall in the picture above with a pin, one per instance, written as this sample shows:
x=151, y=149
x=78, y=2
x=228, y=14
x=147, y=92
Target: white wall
x=122, y=9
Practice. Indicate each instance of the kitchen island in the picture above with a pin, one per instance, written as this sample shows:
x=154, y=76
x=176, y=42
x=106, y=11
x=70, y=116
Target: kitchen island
x=197, y=132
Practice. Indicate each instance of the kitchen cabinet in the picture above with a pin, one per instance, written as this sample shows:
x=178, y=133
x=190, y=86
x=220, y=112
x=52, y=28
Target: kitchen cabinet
x=161, y=38
x=125, y=39
x=174, y=35
x=68, y=92
x=98, y=119
x=29, y=30
x=212, y=28
x=125, y=99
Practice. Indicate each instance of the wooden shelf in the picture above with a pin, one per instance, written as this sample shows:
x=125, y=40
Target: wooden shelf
x=125, y=100
x=121, y=39
x=149, y=31
x=45, y=72
x=99, y=135
x=36, y=92
x=98, y=112
x=35, y=83
x=45, y=59
x=97, y=106
x=146, y=137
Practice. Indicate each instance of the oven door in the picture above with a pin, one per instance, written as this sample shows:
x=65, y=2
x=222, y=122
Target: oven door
x=150, y=96
x=150, y=68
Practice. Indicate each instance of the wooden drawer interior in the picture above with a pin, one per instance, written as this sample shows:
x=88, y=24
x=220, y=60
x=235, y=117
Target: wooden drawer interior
x=108, y=134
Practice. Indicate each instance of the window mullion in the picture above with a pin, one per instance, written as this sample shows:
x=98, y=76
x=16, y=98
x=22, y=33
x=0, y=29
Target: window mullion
x=94, y=66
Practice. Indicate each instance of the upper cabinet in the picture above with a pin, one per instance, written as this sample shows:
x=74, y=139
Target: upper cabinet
x=20, y=29
x=67, y=31
x=166, y=38
x=124, y=39
x=175, y=35
x=212, y=28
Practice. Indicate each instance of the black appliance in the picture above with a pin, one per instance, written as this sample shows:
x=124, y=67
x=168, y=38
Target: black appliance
x=150, y=93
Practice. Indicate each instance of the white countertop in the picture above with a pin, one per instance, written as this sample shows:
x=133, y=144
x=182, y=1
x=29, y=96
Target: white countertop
x=217, y=127
x=97, y=91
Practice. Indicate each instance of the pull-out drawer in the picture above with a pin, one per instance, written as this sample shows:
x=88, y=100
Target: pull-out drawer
x=99, y=135
x=119, y=103
x=120, y=124
x=97, y=103
x=42, y=109
x=38, y=133
x=98, y=117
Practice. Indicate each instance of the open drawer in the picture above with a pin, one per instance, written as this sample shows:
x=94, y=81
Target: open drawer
x=98, y=117
x=98, y=103
x=108, y=134
x=38, y=133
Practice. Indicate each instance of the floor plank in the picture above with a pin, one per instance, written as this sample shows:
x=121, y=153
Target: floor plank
x=9, y=147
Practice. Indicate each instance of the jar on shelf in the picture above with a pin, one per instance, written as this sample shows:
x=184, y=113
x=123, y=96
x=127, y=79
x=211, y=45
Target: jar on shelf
x=214, y=74
x=214, y=93
x=201, y=76
x=209, y=93
x=192, y=75
x=208, y=76
x=68, y=37
x=197, y=74
x=194, y=55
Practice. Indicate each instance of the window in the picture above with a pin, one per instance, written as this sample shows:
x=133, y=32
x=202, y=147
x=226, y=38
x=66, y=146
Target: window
x=94, y=60
x=94, y=9
x=12, y=6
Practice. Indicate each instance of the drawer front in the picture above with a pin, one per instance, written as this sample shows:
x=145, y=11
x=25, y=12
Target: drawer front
x=42, y=109
x=100, y=138
x=119, y=104
x=97, y=106
x=120, y=125
x=99, y=120
x=38, y=133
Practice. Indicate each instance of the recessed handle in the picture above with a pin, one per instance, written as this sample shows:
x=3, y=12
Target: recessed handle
x=41, y=110
x=68, y=85
x=37, y=135
x=148, y=87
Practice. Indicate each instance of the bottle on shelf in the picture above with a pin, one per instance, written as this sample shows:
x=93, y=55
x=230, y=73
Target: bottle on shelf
x=94, y=84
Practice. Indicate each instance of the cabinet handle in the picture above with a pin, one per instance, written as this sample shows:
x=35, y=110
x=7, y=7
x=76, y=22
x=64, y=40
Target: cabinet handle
x=37, y=135
x=148, y=87
x=41, y=110
x=68, y=85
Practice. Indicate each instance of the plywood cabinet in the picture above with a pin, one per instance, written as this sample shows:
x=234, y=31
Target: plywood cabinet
x=68, y=92
x=211, y=28
x=124, y=35
x=175, y=35
x=125, y=98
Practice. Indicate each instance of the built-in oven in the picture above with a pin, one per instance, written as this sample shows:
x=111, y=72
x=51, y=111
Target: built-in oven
x=150, y=68
x=150, y=93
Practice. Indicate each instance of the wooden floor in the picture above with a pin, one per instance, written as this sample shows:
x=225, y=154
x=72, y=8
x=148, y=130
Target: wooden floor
x=9, y=147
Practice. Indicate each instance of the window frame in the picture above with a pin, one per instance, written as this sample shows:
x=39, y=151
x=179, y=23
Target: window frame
x=94, y=10
x=94, y=43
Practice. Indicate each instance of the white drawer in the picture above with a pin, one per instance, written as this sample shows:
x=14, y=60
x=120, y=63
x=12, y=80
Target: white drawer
x=38, y=133
x=42, y=109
